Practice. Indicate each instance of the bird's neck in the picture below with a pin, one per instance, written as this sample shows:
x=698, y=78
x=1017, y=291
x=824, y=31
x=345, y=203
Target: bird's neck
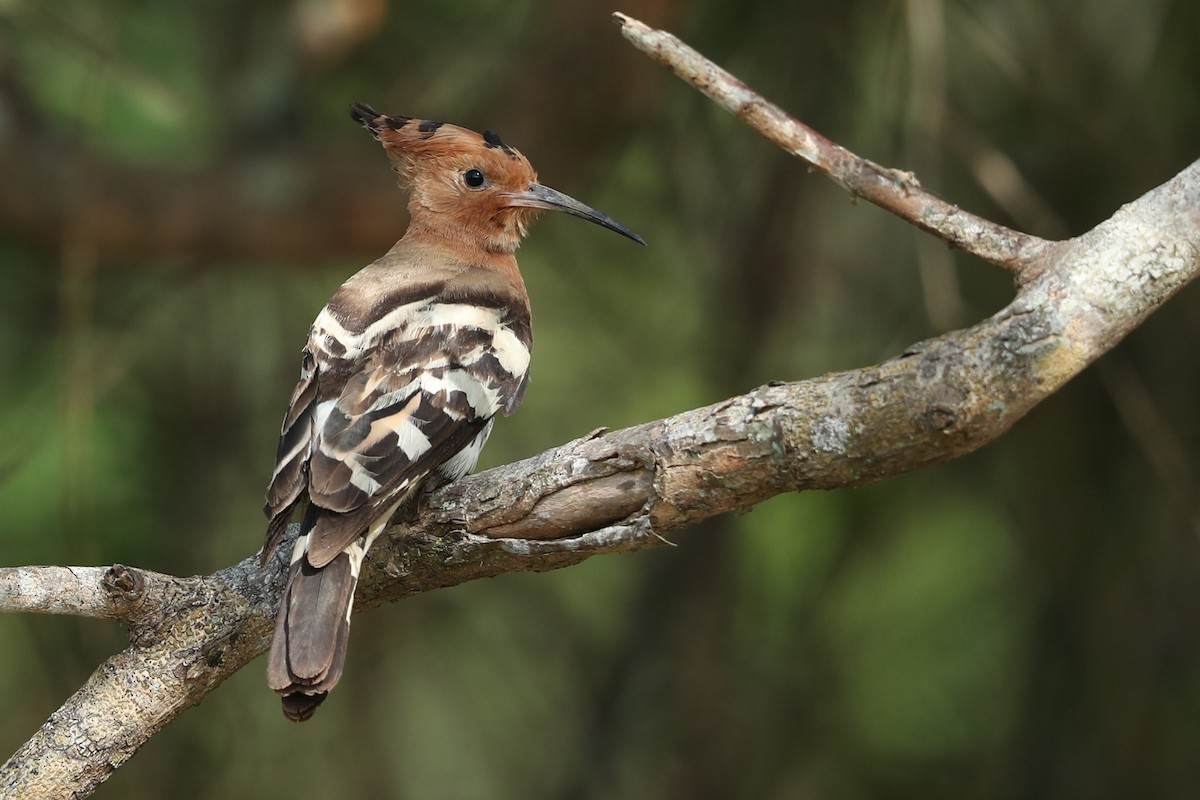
x=478, y=226
x=439, y=248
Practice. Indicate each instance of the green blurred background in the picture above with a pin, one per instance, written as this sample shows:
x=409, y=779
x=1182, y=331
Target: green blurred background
x=183, y=189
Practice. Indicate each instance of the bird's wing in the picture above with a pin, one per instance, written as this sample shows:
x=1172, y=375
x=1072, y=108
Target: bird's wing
x=290, y=478
x=421, y=396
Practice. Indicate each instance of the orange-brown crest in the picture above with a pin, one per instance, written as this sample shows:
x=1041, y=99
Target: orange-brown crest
x=459, y=178
x=469, y=186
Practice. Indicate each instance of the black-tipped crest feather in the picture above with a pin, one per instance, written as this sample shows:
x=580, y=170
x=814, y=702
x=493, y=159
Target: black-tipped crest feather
x=373, y=121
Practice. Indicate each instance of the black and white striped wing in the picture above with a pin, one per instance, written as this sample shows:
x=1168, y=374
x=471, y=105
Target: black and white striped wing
x=290, y=478
x=422, y=398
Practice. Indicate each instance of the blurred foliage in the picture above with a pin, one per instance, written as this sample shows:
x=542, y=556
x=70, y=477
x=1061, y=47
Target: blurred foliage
x=1018, y=623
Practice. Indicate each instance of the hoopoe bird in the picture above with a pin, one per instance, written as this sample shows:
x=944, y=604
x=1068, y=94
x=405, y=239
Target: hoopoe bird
x=406, y=368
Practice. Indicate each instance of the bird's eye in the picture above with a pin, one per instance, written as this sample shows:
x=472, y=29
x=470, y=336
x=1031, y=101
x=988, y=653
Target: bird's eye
x=473, y=178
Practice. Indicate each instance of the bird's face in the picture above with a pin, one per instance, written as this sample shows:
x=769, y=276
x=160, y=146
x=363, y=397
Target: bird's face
x=467, y=188
x=471, y=186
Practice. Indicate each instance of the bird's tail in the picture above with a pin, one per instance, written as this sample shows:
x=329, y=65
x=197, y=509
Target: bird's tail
x=311, y=630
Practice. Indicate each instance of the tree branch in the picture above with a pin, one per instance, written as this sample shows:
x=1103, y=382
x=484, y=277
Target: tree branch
x=897, y=191
x=625, y=490
x=117, y=592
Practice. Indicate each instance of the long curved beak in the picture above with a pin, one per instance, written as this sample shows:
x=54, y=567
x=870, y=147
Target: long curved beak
x=539, y=196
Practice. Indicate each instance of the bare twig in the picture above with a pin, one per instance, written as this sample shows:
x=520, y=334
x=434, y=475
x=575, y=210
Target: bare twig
x=894, y=190
x=117, y=592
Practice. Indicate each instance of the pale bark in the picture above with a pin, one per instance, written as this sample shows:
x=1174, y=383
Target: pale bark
x=624, y=490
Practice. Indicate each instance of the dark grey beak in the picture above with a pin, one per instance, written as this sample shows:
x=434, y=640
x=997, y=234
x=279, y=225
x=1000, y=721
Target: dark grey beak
x=539, y=196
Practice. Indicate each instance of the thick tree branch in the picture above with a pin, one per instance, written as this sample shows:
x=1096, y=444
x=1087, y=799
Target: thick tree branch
x=624, y=490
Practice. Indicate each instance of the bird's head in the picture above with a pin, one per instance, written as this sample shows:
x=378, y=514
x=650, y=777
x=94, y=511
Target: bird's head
x=470, y=186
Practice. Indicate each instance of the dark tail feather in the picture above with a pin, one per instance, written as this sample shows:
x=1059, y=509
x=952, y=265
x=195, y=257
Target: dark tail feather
x=300, y=707
x=311, y=630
